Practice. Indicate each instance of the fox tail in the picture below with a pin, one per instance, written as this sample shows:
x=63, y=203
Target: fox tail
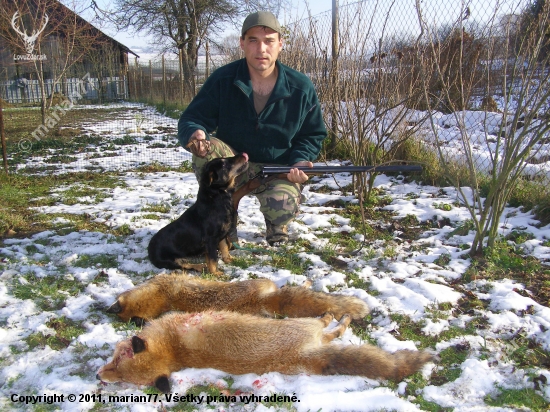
x=298, y=302
x=369, y=361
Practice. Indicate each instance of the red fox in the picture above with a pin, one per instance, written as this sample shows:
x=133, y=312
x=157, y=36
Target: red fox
x=239, y=343
x=165, y=293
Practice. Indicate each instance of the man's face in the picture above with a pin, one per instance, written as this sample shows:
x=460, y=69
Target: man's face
x=261, y=46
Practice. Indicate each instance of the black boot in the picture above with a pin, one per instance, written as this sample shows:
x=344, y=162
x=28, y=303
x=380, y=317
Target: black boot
x=276, y=234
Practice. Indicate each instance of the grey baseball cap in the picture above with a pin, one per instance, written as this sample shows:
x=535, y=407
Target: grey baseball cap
x=261, y=18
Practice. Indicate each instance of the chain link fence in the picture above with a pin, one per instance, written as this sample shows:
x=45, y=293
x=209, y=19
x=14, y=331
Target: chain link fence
x=166, y=79
x=393, y=74
x=462, y=80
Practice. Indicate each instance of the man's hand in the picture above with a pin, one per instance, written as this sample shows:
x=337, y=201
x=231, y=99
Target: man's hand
x=297, y=175
x=198, y=145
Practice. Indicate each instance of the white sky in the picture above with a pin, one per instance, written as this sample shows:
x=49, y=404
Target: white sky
x=435, y=10
x=140, y=42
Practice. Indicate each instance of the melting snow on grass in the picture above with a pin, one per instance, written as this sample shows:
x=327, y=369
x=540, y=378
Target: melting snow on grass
x=55, y=285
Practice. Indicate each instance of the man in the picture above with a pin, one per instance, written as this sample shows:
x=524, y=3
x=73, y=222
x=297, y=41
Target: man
x=259, y=106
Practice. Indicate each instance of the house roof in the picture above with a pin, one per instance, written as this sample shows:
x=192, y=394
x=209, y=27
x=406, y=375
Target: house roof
x=118, y=44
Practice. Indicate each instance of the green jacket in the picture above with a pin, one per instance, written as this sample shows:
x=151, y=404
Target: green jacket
x=289, y=129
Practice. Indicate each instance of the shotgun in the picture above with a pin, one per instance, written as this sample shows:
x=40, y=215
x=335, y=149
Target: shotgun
x=270, y=172
x=321, y=170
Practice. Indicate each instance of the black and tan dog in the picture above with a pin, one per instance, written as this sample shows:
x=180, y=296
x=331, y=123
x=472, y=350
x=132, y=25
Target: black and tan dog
x=203, y=228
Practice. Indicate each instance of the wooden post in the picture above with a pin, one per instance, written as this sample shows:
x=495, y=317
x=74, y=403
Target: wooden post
x=207, y=71
x=3, y=138
x=151, y=81
x=163, y=82
x=141, y=83
x=334, y=78
x=182, y=82
x=135, y=80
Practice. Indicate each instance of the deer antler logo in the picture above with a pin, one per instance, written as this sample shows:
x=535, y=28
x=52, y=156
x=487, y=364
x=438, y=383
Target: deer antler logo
x=28, y=40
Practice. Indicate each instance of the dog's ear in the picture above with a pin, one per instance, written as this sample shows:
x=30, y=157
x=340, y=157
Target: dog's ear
x=115, y=308
x=138, y=344
x=212, y=177
x=162, y=384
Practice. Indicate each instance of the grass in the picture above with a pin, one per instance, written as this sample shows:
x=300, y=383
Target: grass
x=48, y=293
x=92, y=193
x=449, y=365
x=354, y=280
x=505, y=261
x=65, y=331
x=532, y=195
x=60, y=143
x=155, y=167
x=100, y=260
x=528, y=194
x=244, y=261
x=526, y=353
x=339, y=242
x=415, y=384
x=443, y=260
x=169, y=109
x=525, y=397
x=19, y=191
x=156, y=208
x=21, y=123
x=286, y=258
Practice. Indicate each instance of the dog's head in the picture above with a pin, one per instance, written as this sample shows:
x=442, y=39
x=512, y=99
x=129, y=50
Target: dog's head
x=220, y=173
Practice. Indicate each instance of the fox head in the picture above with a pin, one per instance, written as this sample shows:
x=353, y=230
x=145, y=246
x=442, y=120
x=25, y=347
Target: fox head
x=134, y=362
x=139, y=305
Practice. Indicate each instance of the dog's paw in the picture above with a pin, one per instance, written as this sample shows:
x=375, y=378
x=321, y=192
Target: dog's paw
x=227, y=259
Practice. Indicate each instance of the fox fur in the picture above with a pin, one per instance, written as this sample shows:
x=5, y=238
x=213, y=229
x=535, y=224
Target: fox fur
x=165, y=293
x=239, y=343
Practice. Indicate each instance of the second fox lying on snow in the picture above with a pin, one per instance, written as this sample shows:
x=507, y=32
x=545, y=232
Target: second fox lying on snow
x=239, y=344
x=165, y=293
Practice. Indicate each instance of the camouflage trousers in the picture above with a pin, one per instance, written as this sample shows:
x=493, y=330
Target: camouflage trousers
x=279, y=199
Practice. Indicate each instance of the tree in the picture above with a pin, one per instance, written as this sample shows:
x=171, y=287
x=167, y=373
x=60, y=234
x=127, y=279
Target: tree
x=229, y=48
x=533, y=13
x=182, y=26
x=512, y=67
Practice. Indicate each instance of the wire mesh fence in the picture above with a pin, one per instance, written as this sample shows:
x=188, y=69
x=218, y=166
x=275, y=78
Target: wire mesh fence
x=167, y=79
x=446, y=74
x=465, y=79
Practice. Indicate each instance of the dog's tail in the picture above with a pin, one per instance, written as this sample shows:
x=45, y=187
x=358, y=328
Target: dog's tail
x=299, y=302
x=366, y=360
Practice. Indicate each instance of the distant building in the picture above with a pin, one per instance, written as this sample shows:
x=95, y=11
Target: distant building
x=91, y=54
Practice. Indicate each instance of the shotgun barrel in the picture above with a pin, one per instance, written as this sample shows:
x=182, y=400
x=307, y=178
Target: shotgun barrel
x=320, y=170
